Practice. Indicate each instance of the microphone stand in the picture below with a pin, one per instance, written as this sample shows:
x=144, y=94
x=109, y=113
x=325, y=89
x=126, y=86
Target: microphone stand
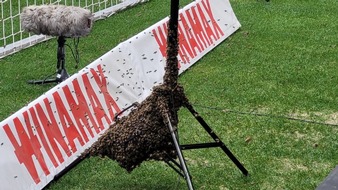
x=61, y=73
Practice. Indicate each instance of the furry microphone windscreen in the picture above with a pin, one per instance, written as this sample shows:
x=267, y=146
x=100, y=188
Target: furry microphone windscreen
x=57, y=20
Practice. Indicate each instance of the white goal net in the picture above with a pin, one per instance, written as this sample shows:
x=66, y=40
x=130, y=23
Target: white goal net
x=12, y=36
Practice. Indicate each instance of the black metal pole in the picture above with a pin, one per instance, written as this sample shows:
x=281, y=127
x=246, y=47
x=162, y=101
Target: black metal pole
x=61, y=53
x=61, y=70
x=180, y=156
x=217, y=140
x=171, y=71
x=173, y=22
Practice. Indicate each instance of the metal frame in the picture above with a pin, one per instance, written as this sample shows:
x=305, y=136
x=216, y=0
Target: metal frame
x=179, y=167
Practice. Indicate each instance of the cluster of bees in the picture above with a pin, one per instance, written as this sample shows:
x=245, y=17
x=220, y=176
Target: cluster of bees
x=144, y=133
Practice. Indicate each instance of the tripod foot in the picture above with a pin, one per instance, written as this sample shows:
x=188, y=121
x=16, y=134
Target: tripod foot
x=61, y=76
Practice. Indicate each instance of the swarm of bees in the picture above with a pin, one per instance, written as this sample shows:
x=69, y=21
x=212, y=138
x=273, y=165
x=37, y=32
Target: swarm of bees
x=144, y=133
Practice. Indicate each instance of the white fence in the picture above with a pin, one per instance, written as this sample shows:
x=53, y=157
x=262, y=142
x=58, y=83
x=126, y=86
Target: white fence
x=12, y=36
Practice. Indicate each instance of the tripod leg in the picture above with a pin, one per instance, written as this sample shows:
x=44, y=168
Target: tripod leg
x=218, y=140
x=180, y=156
x=175, y=166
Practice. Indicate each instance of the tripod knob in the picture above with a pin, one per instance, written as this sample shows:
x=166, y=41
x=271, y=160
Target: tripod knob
x=61, y=75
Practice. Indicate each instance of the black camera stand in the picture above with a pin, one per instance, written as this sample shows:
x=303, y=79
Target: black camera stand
x=61, y=73
x=182, y=167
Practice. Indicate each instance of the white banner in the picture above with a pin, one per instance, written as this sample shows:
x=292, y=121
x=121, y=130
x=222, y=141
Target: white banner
x=43, y=138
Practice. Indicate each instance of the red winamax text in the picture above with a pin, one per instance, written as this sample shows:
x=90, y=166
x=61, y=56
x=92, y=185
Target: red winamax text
x=197, y=30
x=42, y=131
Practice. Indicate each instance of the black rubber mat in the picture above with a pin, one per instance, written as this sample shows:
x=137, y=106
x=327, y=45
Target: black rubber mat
x=330, y=182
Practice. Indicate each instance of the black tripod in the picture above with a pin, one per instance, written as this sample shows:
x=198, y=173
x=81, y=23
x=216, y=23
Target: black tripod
x=181, y=166
x=61, y=73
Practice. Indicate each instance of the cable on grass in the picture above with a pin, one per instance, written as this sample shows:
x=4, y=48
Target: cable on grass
x=265, y=115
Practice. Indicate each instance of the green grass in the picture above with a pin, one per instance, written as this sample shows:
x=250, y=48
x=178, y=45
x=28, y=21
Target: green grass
x=281, y=63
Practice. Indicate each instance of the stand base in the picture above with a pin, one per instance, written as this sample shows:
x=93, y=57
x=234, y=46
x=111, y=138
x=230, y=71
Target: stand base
x=60, y=77
x=181, y=167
